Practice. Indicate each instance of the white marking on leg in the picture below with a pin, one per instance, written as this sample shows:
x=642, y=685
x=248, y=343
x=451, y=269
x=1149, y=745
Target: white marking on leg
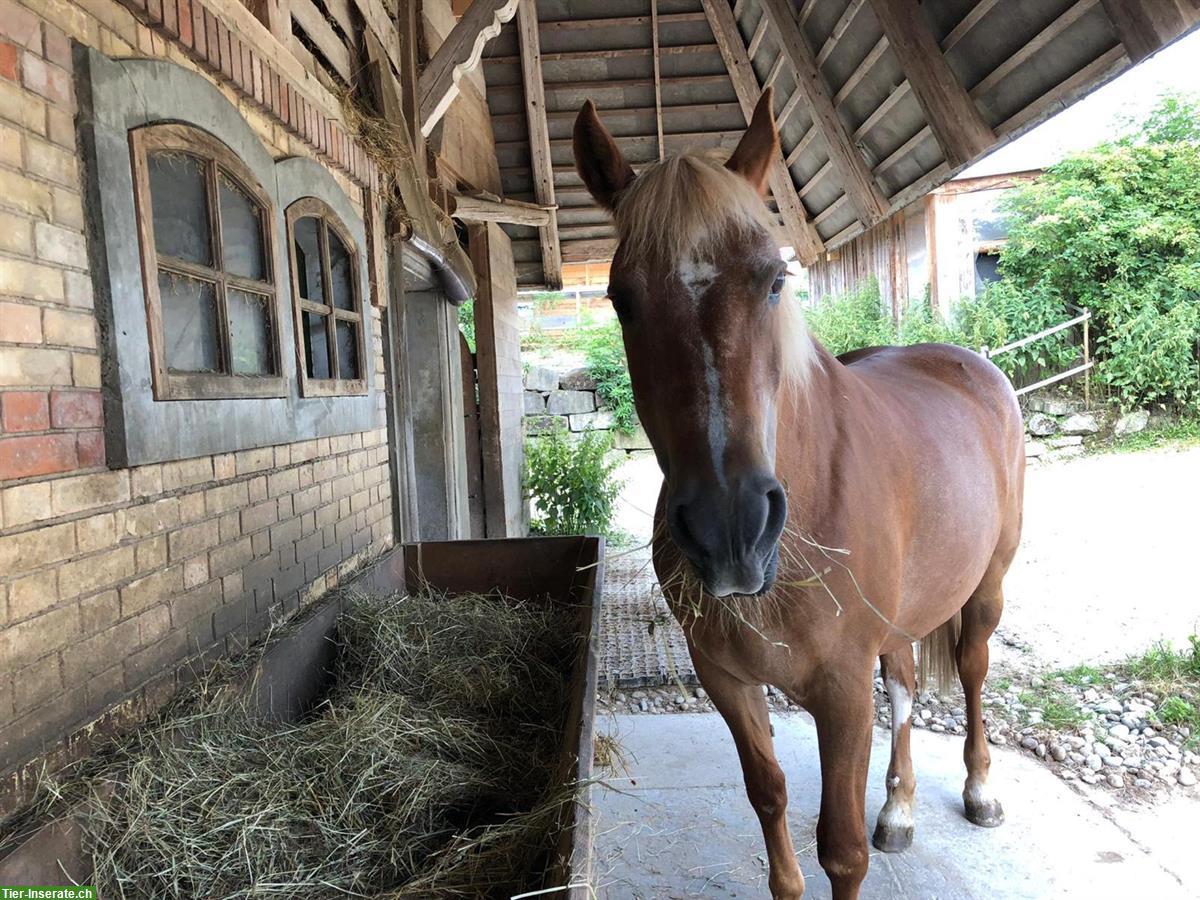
x=896, y=814
x=977, y=792
x=901, y=701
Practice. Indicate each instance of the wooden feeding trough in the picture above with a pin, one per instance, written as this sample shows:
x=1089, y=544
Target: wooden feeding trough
x=294, y=672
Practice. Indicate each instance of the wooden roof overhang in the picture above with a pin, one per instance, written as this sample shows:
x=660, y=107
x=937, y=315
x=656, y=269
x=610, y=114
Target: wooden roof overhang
x=878, y=101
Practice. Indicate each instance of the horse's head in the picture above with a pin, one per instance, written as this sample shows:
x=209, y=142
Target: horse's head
x=697, y=281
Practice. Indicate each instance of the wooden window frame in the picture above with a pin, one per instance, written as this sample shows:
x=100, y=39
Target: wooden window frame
x=218, y=160
x=311, y=207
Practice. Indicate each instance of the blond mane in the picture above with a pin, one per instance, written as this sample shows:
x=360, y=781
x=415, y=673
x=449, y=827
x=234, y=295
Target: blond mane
x=684, y=207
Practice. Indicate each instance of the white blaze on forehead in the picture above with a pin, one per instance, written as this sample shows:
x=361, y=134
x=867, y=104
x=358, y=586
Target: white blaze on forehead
x=696, y=275
x=716, y=414
x=901, y=701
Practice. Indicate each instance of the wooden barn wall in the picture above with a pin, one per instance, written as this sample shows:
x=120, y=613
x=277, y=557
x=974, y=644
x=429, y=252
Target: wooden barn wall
x=463, y=140
x=501, y=388
x=881, y=252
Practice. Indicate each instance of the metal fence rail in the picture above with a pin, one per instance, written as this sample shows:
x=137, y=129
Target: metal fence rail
x=1084, y=318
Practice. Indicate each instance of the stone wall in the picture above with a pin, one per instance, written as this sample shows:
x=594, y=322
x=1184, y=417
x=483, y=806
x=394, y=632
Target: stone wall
x=1061, y=427
x=568, y=400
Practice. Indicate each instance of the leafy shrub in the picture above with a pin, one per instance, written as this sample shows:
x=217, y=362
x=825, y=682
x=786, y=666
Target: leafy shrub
x=571, y=483
x=852, y=320
x=604, y=355
x=1002, y=313
x=1117, y=230
x=922, y=324
x=466, y=322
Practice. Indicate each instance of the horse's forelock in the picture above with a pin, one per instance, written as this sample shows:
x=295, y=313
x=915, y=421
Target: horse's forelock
x=684, y=208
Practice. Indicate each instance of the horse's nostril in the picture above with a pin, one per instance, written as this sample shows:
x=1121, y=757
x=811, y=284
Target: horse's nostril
x=776, y=514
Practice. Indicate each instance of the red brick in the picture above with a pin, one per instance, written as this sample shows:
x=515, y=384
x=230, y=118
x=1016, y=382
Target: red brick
x=20, y=26
x=9, y=67
x=246, y=79
x=20, y=324
x=90, y=449
x=45, y=79
x=24, y=457
x=154, y=11
x=235, y=60
x=76, y=409
x=185, y=23
x=199, y=34
x=57, y=47
x=281, y=99
x=170, y=17
x=25, y=411
x=256, y=77
x=212, y=50
x=223, y=37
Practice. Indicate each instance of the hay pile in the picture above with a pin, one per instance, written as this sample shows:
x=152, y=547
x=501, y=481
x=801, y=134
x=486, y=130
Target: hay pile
x=424, y=774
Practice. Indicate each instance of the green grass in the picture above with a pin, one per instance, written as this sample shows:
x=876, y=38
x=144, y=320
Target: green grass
x=1058, y=708
x=1174, y=675
x=1177, y=435
x=1079, y=675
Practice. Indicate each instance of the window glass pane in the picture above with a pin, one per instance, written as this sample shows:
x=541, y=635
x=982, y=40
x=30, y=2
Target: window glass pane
x=241, y=232
x=180, y=206
x=308, y=259
x=316, y=346
x=340, y=272
x=347, y=350
x=249, y=334
x=189, y=310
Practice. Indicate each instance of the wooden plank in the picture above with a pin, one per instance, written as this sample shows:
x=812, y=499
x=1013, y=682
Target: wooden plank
x=553, y=87
x=619, y=53
x=589, y=251
x=816, y=178
x=857, y=180
x=560, y=115
x=657, y=77
x=839, y=29
x=776, y=69
x=968, y=22
x=507, y=210
x=756, y=39
x=383, y=25
x=802, y=145
x=790, y=107
x=1040, y=40
x=539, y=139
x=314, y=24
x=459, y=54
x=1144, y=27
x=1098, y=70
x=804, y=237
x=861, y=70
x=949, y=110
x=619, y=21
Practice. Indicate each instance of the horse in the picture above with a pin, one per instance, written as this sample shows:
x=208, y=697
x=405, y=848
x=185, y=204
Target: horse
x=817, y=512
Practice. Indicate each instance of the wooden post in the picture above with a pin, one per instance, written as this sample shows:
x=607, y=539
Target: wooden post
x=658, y=118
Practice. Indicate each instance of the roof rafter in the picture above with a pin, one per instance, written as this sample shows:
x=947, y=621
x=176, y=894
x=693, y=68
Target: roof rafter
x=857, y=180
x=949, y=110
x=803, y=234
x=459, y=54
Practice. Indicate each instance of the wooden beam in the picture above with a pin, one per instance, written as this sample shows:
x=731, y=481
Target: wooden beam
x=839, y=28
x=498, y=209
x=616, y=21
x=657, y=78
x=541, y=166
x=459, y=53
x=1039, y=40
x=756, y=39
x=1143, y=27
x=804, y=237
x=313, y=22
x=857, y=180
x=949, y=110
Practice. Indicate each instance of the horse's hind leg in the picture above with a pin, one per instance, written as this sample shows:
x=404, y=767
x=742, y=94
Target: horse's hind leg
x=980, y=616
x=894, y=828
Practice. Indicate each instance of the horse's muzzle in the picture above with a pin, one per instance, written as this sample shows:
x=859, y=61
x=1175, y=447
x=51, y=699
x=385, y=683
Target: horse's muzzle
x=730, y=536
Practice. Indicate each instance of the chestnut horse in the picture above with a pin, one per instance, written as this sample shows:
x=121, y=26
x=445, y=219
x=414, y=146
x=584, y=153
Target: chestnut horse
x=817, y=512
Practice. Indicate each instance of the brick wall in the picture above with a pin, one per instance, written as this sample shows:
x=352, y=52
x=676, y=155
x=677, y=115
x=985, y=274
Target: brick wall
x=112, y=583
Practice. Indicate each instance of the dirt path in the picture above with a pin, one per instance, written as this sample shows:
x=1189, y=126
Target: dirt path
x=1108, y=559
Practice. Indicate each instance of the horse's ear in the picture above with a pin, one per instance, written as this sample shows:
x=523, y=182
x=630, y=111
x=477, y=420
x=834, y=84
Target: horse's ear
x=759, y=147
x=598, y=159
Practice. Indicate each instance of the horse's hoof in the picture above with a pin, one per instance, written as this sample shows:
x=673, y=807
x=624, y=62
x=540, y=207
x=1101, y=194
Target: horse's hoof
x=984, y=813
x=892, y=839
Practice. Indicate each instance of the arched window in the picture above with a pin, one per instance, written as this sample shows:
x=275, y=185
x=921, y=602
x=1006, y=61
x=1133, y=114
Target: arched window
x=206, y=231
x=327, y=296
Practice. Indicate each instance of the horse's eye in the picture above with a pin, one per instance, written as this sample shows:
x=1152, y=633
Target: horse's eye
x=620, y=304
x=776, y=289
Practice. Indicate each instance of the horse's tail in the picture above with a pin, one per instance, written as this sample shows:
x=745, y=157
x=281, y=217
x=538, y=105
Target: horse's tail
x=936, y=657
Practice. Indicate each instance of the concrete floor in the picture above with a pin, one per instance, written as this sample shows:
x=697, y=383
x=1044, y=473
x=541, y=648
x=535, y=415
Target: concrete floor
x=678, y=824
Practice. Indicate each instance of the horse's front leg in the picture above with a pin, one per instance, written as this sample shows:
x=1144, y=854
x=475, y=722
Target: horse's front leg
x=844, y=716
x=744, y=709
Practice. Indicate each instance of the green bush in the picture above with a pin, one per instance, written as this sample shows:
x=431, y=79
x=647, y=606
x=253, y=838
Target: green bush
x=922, y=324
x=571, y=483
x=853, y=320
x=466, y=322
x=604, y=358
x=1117, y=230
